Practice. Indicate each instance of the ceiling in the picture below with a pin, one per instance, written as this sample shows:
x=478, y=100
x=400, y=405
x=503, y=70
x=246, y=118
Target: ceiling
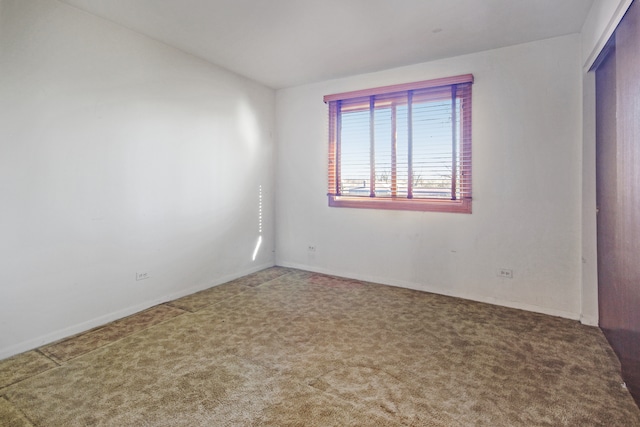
x=283, y=43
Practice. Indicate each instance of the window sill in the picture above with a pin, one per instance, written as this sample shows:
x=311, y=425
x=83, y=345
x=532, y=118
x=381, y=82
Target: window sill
x=401, y=204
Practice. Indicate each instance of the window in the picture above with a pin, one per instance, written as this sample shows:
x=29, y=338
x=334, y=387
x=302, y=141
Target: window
x=405, y=147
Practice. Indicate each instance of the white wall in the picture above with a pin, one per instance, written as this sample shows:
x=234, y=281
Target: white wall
x=589, y=272
x=527, y=122
x=119, y=154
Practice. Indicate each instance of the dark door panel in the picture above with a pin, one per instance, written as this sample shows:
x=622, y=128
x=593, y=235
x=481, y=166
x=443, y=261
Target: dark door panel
x=618, y=195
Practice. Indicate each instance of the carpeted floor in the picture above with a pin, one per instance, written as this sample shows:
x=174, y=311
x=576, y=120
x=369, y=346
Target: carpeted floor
x=285, y=347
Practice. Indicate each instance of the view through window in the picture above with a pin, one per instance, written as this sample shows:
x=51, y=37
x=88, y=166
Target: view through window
x=402, y=147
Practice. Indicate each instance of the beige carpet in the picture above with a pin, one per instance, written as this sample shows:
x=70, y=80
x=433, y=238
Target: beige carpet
x=285, y=347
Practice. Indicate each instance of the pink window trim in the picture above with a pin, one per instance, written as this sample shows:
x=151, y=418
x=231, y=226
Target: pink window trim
x=425, y=84
x=424, y=205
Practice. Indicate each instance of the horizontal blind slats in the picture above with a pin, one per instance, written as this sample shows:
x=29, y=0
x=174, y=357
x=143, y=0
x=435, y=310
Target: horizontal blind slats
x=436, y=156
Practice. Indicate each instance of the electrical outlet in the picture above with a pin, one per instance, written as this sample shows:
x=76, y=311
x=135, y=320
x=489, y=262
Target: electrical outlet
x=142, y=276
x=311, y=248
x=505, y=273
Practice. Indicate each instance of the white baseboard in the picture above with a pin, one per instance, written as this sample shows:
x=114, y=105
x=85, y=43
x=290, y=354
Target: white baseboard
x=101, y=320
x=34, y=343
x=589, y=320
x=442, y=291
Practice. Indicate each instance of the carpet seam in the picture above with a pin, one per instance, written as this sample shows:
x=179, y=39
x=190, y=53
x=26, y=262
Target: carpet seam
x=17, y=408
x=63, y=363
x=247, y=289
x=130, y=335
x=57, y=362
x=271, y=280
x=60, y=362
x=7, y=387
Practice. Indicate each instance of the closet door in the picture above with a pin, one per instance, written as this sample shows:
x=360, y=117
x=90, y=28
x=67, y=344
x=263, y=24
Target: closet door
x=618, y=195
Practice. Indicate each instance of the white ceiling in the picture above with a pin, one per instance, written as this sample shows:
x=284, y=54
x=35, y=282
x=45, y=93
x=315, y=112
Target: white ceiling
x=283, y=43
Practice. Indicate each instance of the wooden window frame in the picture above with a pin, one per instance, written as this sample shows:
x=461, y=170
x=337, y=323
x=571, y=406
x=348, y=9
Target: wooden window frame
x=457, y=88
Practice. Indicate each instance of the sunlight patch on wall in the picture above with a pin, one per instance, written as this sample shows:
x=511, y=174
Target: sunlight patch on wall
x=255, y=251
